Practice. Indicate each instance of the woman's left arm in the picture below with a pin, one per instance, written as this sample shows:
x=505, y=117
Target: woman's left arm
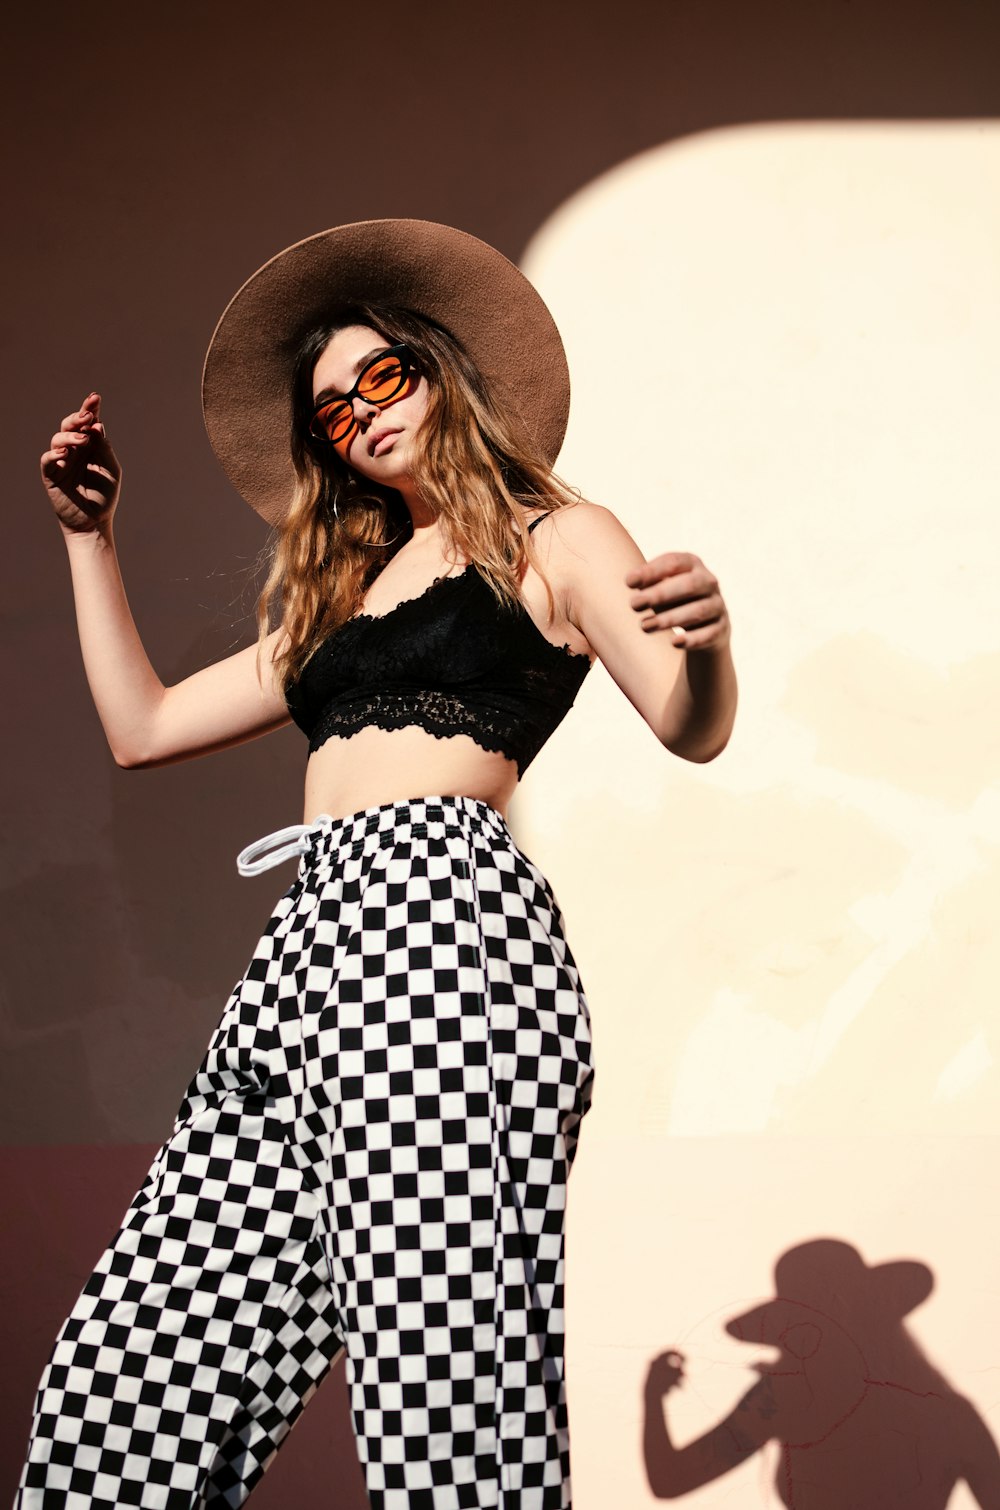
x=660, y=627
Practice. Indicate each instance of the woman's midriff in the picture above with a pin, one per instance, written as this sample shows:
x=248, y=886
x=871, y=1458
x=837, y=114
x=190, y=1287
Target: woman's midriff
x=375, y=766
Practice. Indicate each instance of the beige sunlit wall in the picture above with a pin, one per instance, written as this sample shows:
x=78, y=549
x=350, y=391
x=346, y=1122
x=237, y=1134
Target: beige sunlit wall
x=784, y=345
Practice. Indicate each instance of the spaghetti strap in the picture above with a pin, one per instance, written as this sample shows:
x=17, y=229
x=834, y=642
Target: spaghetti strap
x=531, y=526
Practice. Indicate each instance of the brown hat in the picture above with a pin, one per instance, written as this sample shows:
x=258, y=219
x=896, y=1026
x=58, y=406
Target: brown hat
x=462, y=283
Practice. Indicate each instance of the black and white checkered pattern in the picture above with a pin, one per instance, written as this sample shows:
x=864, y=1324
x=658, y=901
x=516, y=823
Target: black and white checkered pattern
x=373, y=1155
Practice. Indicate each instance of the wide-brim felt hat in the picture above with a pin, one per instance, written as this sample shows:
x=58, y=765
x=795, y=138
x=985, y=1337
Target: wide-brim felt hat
x=464, y=284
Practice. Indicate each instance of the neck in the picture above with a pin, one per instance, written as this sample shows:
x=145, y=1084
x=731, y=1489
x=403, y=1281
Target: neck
x=423, y=518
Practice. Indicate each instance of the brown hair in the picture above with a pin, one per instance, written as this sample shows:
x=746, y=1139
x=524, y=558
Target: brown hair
x=477, y=468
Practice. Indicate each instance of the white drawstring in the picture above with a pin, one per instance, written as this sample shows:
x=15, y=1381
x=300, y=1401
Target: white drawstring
x=283, y=844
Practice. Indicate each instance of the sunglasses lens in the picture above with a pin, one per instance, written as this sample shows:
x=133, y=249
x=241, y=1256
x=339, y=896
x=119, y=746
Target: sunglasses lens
x=382, y=380
x=333, y=421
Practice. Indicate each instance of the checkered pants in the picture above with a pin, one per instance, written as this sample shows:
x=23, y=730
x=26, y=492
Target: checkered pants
x=372, y=1157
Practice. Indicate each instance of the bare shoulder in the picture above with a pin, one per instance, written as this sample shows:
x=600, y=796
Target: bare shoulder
x=579, y=530
x=584, y=541
x=586, y=551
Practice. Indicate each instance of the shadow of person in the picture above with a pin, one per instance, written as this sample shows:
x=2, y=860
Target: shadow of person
x=862, y=1419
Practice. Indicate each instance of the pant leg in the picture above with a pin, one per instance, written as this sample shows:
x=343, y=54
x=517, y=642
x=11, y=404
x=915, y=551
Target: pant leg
x=442, y=1065
x=402, y=1072
x=208, y=1322
x=541, y=1078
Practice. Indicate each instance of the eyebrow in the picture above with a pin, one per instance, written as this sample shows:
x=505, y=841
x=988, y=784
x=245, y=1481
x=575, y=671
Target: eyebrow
x=328, y=393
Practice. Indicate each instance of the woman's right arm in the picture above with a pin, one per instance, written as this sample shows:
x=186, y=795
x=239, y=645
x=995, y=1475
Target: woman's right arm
x=146, y=723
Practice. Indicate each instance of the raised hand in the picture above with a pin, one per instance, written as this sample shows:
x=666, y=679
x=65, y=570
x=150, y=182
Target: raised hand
x=81, y=473
x=665, y=1372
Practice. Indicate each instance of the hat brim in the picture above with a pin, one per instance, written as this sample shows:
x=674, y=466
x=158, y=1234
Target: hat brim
x=461, y=282
x=896, y=1288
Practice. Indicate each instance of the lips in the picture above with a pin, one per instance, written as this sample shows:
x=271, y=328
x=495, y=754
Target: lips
x=377, y=437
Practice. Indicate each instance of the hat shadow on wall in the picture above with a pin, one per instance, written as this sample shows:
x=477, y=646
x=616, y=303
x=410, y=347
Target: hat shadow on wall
x=861, y=1418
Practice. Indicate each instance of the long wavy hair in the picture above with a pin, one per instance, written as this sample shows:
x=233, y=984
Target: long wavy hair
x=476, y=467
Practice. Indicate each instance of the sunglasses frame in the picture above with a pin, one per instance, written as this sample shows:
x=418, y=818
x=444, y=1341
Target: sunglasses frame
x=406, y=364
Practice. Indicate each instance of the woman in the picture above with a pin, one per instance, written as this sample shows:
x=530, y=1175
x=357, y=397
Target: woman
x=373, y=1154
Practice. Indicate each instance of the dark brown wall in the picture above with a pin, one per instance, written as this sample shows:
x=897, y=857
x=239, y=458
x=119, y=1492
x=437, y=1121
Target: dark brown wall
x=156, y=159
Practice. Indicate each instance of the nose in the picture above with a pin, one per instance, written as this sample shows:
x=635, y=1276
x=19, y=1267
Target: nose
x=364, y=410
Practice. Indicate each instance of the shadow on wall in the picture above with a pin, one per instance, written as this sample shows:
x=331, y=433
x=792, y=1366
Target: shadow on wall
x=861, y=1417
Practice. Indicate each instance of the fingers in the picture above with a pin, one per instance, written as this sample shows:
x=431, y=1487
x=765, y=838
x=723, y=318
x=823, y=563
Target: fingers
x=707, y=633
x=52, y=464
x=680, y=596
x=702, y=610
x=667, y=1371
x=66, y=441
x=707, y=629
x=673, y=590
x=84, y=417
x=668, y=564
x=79, y=419
x=689, y=607
x=76, y=428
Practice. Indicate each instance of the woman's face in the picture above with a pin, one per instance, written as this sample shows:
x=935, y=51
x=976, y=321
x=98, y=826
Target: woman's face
x=380, y=443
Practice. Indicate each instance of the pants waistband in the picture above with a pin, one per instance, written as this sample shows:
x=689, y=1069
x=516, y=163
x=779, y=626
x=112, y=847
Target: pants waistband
x=328, y=835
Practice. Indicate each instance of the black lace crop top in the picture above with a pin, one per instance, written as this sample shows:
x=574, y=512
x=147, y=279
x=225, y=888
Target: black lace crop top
x=452, y=661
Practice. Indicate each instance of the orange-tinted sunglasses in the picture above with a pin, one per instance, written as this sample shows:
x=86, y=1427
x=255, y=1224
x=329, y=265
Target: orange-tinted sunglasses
x=379, y=380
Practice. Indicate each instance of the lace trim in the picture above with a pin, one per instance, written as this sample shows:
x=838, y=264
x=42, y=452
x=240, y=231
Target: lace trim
x=377, y=618
x=460, y=576
x=442, y=716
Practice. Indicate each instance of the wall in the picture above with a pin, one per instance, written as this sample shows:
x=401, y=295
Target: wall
x=794, y=1044
x=782, y=338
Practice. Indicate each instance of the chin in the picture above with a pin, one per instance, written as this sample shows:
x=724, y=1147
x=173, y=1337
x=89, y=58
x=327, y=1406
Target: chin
x=394, y=476
x=387, y=470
